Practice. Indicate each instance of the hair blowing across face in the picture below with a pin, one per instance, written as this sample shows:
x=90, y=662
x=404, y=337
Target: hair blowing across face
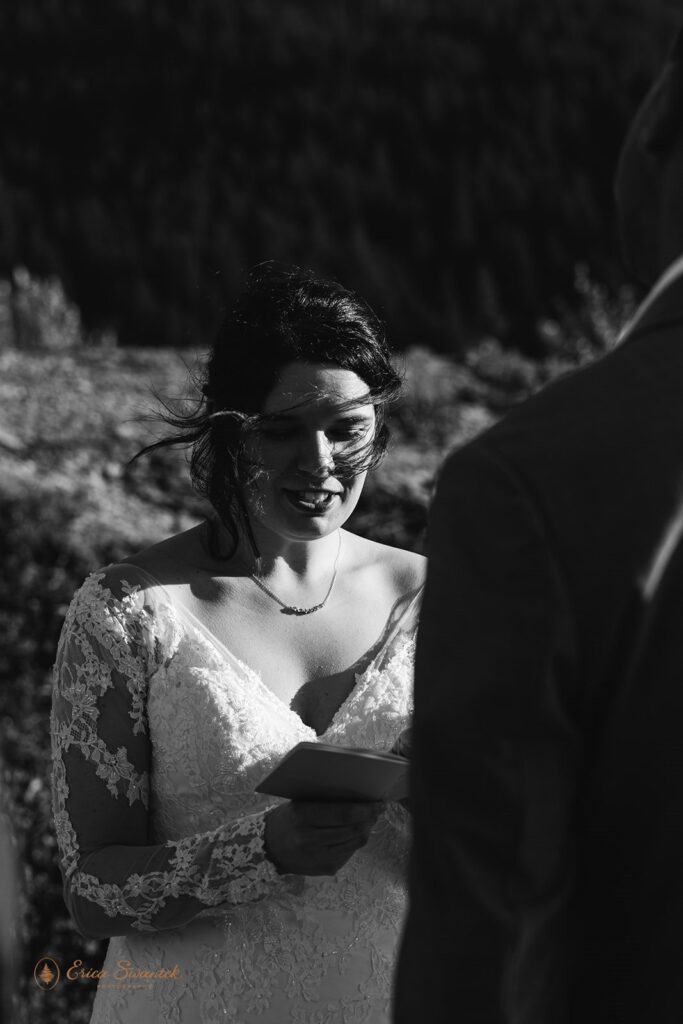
x=283, y=315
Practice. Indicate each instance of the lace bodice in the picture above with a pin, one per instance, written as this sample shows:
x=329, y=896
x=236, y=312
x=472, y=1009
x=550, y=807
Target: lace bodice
x=159, y=737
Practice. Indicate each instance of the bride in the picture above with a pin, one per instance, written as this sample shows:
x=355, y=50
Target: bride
x=186, y=673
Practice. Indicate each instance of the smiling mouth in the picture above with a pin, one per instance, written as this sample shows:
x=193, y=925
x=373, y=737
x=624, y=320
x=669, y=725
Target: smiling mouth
x=312, y=501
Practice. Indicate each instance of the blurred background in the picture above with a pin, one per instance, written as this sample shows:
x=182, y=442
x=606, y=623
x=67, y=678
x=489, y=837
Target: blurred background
x=451, y=161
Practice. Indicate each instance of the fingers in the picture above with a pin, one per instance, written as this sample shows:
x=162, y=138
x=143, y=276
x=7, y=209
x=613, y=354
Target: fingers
x=330, y=859
x=336, y=815
x=338, y=836
x=351, y=844
x=309, y=838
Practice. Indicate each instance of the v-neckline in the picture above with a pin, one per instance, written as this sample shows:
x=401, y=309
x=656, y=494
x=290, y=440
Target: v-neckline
x=178, y=608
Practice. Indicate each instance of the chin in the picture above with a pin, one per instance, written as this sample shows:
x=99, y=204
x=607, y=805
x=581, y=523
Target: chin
x=311, y=529
x=292, y=527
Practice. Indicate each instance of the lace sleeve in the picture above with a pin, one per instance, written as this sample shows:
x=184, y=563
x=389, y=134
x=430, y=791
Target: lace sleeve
x=114, y=879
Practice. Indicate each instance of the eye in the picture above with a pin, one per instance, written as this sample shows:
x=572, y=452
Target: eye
x=351, y=431
x=346, y=434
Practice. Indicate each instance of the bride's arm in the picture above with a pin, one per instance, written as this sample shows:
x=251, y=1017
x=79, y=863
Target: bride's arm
x=115, y=879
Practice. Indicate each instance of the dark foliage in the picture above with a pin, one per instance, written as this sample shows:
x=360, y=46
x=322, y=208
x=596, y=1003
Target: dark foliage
x=449, y=160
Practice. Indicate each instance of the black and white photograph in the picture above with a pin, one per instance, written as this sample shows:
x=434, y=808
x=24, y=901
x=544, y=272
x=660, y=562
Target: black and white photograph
x=341, y=512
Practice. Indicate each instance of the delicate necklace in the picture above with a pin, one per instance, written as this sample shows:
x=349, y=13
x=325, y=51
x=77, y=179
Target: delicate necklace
x=292, y=609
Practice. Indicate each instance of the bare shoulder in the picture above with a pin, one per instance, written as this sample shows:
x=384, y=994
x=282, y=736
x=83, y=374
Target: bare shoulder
x=404, y=570
x=164, y=564
x=170, y=560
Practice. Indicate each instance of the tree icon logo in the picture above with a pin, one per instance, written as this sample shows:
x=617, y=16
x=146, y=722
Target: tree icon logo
x=46, y=973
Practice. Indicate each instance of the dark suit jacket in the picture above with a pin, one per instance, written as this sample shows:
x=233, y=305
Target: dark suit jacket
x=547, y=868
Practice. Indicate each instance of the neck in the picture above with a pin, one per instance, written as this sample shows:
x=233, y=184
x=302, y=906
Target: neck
x=307, y=560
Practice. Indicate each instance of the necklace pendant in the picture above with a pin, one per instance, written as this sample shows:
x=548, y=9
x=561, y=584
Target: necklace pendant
x=294, y=610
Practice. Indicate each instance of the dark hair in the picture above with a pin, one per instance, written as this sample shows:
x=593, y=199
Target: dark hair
x=283, y=315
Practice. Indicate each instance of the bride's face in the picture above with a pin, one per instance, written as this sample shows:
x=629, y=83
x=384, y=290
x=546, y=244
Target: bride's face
x=316, y=413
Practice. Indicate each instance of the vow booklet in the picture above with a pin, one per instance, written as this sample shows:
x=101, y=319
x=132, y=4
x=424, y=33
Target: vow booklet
x=322, y=771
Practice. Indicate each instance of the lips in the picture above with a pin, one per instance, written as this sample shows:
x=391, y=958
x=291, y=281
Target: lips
x=311, y=500
x=313, y=496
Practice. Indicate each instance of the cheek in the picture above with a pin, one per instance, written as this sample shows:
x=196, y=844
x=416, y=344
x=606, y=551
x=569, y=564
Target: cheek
x=270, y=457
x=354, y=487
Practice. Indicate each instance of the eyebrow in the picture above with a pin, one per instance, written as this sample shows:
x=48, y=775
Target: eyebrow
x=342, y=417
x=354, y=417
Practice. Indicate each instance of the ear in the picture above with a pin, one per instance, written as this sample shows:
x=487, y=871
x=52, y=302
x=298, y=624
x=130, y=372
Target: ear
x=663, y=121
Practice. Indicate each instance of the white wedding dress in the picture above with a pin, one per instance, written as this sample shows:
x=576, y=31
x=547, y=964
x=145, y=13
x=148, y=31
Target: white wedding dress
x=159, y=737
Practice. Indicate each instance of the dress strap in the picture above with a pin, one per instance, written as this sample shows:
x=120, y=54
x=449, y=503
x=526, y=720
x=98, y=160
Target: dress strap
x=406, y=624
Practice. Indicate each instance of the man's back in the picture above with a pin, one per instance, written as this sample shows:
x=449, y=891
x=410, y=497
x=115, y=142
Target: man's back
x=629, y=894
x=547, y=767
x=532, y=839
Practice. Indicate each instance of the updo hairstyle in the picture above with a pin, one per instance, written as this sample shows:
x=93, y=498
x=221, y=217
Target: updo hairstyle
x=283, y=315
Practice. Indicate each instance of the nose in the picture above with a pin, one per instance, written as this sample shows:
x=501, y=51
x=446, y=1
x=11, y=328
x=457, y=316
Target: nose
x=315, y=455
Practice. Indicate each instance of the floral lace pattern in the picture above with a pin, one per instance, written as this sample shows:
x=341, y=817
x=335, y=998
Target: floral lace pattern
x=159, y=738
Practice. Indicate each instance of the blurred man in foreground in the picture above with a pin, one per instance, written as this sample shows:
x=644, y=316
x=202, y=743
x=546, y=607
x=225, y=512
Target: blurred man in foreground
x=547, y=871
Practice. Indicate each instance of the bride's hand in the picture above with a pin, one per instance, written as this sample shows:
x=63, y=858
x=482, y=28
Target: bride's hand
x=304, y=837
